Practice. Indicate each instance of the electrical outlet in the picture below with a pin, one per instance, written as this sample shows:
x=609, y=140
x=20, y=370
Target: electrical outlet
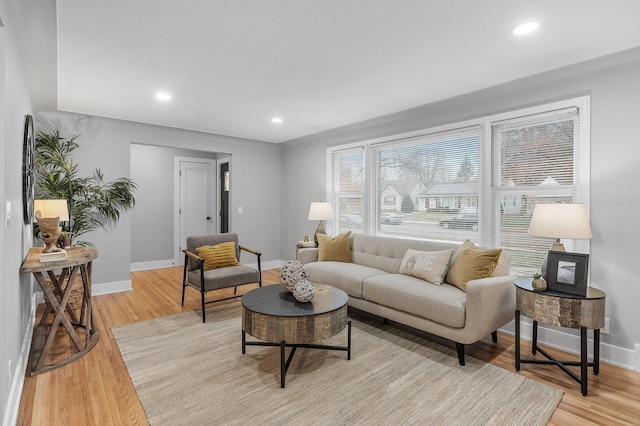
x=605, y=329
x=636, y=356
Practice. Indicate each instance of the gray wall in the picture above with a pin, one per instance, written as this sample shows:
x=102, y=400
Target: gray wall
x=614, y=85
x=152, y=219
x=105, y=143
x=26, y=49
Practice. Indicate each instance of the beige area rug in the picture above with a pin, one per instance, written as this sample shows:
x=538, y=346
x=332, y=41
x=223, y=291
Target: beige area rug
x=186, y=372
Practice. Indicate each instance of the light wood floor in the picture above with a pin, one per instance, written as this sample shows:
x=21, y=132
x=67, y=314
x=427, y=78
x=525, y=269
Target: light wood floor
x=96, y=389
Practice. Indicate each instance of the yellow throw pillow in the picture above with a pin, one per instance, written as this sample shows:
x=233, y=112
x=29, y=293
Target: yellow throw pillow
x=337, y=248
x=471, y=263
x=218, y=256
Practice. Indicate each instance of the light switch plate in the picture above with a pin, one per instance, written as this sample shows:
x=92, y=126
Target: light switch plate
x=7, y=214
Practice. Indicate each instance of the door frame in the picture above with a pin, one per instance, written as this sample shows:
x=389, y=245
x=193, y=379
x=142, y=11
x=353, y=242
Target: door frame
x=219, y=162
x=177, y=244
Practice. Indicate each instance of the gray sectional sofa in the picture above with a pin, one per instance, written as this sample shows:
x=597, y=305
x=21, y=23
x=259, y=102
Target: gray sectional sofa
x=374, y=284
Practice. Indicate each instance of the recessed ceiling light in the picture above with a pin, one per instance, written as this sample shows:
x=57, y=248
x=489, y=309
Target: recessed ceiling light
x=276, y=120
x=163, y=96
x=526, y=28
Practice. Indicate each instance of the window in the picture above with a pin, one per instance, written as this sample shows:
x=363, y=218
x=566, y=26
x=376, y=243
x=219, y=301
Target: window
x=476, y=180
x=535, y=160
x=348, y=189
x=434, y=178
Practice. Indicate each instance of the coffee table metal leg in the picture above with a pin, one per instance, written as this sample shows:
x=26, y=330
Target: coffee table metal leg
x=283, y=369
x=517, y=339
x=244, y=342
x=348, y=340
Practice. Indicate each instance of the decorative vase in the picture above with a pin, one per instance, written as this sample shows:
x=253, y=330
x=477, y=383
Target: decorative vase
x=291, y=273
x=539, y=284
x=304, y=290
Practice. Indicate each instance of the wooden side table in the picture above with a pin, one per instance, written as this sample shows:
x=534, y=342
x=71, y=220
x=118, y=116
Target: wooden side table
x=563, y=310
x=78, y=261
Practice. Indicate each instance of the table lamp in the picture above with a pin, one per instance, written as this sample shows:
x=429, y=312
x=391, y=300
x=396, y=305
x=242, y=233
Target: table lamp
x=320, y=211
x=49, y=214
x=559, y=220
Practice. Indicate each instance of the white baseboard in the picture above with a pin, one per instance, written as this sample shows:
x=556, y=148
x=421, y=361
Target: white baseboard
x=609, y=354
x=112, y=287
x=156, y=264
x=17, y=383
x=272, y=264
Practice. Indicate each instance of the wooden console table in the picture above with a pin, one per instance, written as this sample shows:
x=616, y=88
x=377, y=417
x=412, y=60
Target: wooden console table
x=78, y=261
x=562, y=310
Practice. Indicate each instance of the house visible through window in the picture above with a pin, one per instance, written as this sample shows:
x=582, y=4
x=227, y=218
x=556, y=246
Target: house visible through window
x=476, y=180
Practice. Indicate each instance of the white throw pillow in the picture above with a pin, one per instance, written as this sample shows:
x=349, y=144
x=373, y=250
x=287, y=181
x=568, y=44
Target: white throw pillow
x=427, y=265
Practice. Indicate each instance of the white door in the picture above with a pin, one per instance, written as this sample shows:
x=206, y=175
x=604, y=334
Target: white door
x=197, y=192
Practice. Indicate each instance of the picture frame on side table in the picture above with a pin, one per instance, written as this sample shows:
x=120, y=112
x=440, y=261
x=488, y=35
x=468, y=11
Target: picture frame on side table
x=567, y=272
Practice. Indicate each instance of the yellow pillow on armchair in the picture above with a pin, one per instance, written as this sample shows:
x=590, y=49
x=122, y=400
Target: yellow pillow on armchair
x=218, y=256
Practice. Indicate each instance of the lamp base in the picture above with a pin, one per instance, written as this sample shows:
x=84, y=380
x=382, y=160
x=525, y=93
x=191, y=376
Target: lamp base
x=556, y=246
x=319, y=230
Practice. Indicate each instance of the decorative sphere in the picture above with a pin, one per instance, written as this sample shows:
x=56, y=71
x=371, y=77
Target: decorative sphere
x=292, y=272
x=304, y=290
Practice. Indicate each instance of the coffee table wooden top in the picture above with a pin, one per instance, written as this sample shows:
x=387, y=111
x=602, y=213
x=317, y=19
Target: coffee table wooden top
x=272, y=314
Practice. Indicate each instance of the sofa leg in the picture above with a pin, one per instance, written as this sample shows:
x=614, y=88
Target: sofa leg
x=385, y=321
x=460, y=349
x=494, y=336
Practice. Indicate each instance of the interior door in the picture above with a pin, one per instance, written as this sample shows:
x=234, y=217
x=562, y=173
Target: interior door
x=196, y=197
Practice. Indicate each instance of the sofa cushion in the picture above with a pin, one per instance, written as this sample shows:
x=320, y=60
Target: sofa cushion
x=346, y=276
x=472, y=263
x=386, y=253
x=444, y=304
x=427, y=265
x=336, y=248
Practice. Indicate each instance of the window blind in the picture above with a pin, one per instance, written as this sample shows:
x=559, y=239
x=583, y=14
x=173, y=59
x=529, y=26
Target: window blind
x=427, y=186
x=535, y=159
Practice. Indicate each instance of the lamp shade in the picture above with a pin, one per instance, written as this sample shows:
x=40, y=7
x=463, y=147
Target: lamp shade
x=320, y=211
x=560, y=220
x=52, y=208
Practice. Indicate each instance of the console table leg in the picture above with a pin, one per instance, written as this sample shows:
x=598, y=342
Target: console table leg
x=583, y=360
x=534, y=343
x=596, y=351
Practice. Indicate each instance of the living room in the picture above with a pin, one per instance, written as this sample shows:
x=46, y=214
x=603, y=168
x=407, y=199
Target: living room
x=273, y=183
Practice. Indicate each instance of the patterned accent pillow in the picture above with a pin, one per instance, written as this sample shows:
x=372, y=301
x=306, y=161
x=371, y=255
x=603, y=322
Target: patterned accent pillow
x=218, y=256
x=428, y=265
x=337, y=248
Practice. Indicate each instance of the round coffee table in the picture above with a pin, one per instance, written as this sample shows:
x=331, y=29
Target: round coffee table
x=274, y=316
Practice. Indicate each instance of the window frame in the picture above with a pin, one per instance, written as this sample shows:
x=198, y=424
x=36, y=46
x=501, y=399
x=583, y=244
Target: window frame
x=487, y=215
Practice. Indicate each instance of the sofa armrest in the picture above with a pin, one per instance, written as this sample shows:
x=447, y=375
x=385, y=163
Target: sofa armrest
x=491, y=303
x=307, y=255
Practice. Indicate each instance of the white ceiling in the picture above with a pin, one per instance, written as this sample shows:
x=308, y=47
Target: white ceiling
x=231, y=65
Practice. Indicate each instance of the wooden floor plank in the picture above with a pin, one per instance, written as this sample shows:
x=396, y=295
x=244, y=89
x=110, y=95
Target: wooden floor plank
x=96, y=389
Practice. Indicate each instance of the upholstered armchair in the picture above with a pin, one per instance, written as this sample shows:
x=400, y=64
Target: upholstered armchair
x=209, y=265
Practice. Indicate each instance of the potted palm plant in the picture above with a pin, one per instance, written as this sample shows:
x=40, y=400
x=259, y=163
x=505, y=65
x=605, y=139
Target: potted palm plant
x=92, y=202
